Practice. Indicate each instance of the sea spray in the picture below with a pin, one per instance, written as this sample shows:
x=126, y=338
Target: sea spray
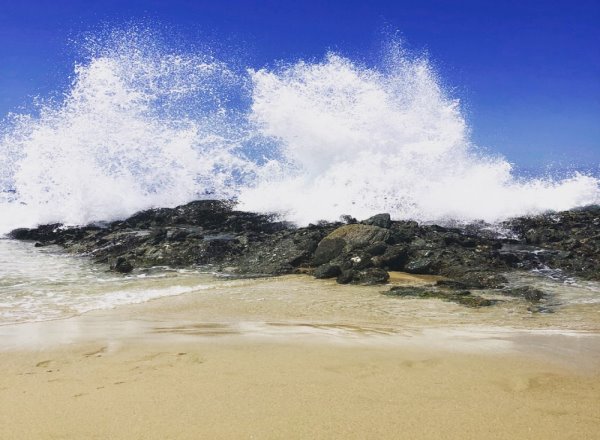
x=364, y=140
x=140, y=126
x=143, y=125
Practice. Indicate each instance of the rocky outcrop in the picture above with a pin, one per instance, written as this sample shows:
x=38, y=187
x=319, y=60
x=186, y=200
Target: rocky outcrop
x=463, y=297
x=212, y=234
x=568, y=240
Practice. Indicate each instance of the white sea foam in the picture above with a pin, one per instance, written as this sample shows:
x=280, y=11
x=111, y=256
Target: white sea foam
x=144, y=126
x=364, y=140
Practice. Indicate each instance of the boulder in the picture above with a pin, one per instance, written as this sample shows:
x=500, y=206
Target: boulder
x=368, y=276
x=381, y=220
x=327, y=271
x=327, y=250
x=357, y=236
x=122, y=265
x=463, y=297
x=528, y=293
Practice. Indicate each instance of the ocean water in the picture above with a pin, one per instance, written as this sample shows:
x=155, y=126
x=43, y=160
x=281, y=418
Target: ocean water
x=144, y=125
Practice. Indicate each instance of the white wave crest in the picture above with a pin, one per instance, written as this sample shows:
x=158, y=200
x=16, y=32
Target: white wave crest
x=142, y=126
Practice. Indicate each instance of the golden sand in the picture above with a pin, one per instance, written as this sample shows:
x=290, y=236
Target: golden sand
x=163, y=370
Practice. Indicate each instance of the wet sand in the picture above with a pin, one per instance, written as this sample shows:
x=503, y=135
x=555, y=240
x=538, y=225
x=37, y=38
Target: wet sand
x=163, y=369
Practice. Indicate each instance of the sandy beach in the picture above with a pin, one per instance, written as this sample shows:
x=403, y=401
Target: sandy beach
x=162, y=369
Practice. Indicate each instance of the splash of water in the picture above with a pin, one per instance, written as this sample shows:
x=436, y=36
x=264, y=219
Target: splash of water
x=142, y=126
x=139, y=127
x=364, y=140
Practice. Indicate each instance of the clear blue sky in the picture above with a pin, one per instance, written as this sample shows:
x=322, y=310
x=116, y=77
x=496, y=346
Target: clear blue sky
x=528, y=72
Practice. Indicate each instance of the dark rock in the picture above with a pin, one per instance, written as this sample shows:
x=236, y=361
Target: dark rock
x=451, y=284
x=527, y=292
x=44, y=233
x=421, y=266
x=394, y=258
x=568, y=240
x=357, y=236
x=539, y=309
x=475, y=301
x=122, y=265
x=327, y=271
x=369, y=276
x=348, y=219
x=328, y=249
x=479, y=279
x=347, y=276
x=375, y=249
x=212, y=233
x=461, y=297
x=381, y=220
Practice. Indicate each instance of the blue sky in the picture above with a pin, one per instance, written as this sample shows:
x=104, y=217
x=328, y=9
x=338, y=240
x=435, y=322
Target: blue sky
x=527, y=72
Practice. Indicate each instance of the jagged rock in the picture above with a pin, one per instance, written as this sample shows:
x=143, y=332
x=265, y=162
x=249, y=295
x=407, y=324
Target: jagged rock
x=358, y=236
x=371, y=276
x=461, y=297
x=569, y=240
x=527, y=292
x=346, y=276
x=212, y=233
x=394, y=258
x=367, y=277
x=478, y=279
x=451, y=284
x=327, y=271
x=328, y=249
x=381, y=220
x=122, y=265
x=422, y=266
x=375, y=249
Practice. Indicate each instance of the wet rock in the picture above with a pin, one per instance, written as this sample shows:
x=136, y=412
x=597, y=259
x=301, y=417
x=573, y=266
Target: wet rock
x=375, y=249
x=371, y=276
x=478, y=279
x=122, y=265
x=381, y=220
x=420, y=266
x=328, y=249
x=368, y=276
x=347, y=276
x=475, y=301
x=539, y=309
x=44, y=233
x=327, y=271
x=568, y=240
x=348, y=219
x=461, y=297
x=527, y=292
x=358, y=236
x=451, y=284
x=212, y=233
x=394, y=258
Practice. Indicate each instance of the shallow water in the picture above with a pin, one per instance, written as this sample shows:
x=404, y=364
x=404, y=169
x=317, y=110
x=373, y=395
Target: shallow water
x=38, y=284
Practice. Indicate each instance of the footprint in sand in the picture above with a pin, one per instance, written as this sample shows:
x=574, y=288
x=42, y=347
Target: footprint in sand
x=97, y=353
x=44, y=364
x=167, y=359
x=527, y=383
x=424, y=363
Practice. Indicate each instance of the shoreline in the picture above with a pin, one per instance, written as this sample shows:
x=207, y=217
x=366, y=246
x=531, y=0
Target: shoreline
x=137, y=375
x=301, y=358
x=253, y=312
